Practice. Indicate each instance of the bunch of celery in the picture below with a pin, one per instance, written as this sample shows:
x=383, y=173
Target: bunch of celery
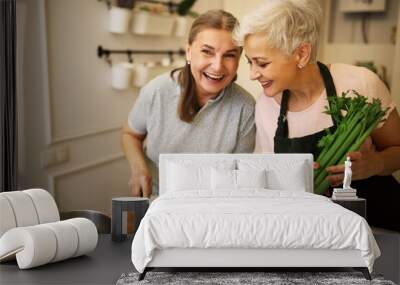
x=360, y=119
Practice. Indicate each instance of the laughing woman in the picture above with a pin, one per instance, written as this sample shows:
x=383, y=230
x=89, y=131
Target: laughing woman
x=195, y=109
x=281, y=42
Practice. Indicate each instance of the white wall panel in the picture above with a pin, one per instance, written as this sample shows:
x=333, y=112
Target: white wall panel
x=92, y=186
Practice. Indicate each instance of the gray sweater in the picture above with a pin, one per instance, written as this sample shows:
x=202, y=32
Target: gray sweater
x=224, y=125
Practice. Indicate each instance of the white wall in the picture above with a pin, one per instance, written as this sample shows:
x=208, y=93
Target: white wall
x=343, y=41
x=346, y=27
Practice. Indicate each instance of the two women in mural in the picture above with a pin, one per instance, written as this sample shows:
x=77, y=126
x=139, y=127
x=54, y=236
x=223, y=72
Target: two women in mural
x=280, y=41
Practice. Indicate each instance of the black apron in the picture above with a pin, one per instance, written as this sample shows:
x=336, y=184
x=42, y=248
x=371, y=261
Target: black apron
x=381, y=192
x=306, y=144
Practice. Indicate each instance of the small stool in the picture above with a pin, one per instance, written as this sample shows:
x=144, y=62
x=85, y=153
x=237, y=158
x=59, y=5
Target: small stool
x=137, y=205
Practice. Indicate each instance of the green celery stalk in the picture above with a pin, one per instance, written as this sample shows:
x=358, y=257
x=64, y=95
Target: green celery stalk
x=323, y=185
x=346, y=132
x=360, y=120
x=321, y=188
x=342, y=146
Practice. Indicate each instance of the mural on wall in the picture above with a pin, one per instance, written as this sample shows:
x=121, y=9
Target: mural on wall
x=87, y=110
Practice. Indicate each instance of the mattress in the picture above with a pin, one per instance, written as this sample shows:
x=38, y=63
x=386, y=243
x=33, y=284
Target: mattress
x=251, y=219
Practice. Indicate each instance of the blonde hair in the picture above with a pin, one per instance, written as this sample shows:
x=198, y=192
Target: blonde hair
x=285, y=23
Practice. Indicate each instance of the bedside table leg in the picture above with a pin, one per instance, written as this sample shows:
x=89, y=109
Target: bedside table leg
x=364, y=271
x=143, y=274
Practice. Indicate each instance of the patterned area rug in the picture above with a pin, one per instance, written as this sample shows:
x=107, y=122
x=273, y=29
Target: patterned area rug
x=243, y=278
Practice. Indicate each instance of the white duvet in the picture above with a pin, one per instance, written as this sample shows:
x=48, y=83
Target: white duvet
x=253, y=218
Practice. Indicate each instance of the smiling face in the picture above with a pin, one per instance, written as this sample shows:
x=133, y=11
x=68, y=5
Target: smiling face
x=275, y=70
x=214, y=60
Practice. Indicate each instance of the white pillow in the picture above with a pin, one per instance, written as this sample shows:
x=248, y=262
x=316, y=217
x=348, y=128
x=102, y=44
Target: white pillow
x=236, y=179
x=281, y=175
x=187, y=178
x=189, y=175
x=291, y=179
x=251, y=178
x=223, y=179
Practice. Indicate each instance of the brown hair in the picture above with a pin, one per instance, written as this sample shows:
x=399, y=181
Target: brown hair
x=188, y=103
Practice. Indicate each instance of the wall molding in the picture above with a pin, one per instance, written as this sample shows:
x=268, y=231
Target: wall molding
x=53, y=177
x=60, y=139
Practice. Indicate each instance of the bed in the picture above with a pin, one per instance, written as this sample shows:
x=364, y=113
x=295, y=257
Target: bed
x=247, y=210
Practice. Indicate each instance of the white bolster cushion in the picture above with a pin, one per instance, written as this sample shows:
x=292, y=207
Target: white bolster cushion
x=67, y=240
x=87, y=235
x=26, y=208
x=41, y=244
x=23, y=208
x=46, y=207
x=33, y=246
x=7, y=218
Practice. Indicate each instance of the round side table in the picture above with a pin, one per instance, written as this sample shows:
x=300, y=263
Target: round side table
x=120, y=205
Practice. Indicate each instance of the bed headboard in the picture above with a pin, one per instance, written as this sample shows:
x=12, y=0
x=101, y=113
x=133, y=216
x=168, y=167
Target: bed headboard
x=244, y=160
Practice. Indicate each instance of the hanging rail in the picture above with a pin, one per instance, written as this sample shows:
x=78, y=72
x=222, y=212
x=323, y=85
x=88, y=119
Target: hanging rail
x=129, y=52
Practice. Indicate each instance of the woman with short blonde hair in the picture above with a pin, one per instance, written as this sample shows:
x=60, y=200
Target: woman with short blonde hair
x=280, y=41
x=285, y=25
